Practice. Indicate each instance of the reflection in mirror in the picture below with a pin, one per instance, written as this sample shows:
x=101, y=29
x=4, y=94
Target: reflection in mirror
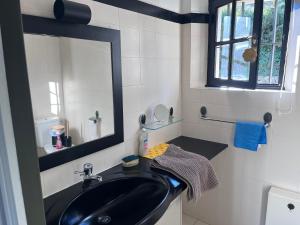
x=71, y=90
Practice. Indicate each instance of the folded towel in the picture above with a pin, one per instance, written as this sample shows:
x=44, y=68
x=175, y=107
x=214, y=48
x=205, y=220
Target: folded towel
x=192, y=168
x=249, y=135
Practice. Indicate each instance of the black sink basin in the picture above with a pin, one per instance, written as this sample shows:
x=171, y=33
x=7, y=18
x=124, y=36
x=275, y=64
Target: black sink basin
x=120, y=201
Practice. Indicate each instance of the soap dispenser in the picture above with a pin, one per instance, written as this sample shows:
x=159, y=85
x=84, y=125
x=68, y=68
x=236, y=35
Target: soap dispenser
x=143, y=137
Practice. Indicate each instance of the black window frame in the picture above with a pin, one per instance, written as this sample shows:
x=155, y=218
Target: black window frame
x=257, y=27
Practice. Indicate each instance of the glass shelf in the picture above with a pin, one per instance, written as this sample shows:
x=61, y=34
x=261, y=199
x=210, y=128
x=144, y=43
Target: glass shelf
x=160, y=124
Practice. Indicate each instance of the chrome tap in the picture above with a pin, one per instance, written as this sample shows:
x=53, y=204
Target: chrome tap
x=87, y=173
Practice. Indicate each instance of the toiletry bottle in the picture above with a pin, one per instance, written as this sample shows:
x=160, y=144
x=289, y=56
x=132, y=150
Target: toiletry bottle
x=94, y=127
x=59, y=144
x=143, y=142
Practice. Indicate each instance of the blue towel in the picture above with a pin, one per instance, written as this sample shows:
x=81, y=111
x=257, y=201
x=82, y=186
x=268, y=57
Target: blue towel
x=249, y=135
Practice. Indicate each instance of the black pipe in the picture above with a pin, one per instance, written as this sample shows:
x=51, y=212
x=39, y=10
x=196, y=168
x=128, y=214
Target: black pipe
x=72, y=12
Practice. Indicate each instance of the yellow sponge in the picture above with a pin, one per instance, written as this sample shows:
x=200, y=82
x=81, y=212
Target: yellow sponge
x=156, y=151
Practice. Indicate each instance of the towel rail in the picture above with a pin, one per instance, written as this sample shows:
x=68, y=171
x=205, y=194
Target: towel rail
x=267, y=117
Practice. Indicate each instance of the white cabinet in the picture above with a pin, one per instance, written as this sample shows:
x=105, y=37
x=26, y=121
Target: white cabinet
x=283, y=207
x=173, y=215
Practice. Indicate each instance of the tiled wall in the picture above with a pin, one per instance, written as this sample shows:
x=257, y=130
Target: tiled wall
x=245, y=177
x=151, y=75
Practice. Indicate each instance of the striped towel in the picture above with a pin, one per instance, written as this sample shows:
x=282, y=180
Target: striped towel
x=194, y=169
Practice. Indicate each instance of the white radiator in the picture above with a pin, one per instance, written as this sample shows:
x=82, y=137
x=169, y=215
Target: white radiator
x=283, y=207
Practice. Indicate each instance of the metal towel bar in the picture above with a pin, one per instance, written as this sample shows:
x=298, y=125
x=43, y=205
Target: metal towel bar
x=267, y=117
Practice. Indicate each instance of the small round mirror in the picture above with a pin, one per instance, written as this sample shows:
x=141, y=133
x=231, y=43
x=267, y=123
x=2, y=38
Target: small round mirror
x=161, y=112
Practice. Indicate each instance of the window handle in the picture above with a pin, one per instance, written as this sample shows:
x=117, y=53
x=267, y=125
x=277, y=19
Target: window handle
x=253, y=39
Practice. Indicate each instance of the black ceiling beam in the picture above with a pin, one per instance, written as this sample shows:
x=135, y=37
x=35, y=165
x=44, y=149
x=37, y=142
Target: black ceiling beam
x=155, y=11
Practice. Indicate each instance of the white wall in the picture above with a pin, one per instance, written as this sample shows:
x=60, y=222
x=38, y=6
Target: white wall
x=151, y=75
x=87, y=86
x=44, y=66
x=245, y=177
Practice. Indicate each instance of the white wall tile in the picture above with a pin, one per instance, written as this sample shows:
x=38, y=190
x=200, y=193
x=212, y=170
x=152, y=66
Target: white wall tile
x=149, y=44
x=199, y=6
x=148, y=22
x=57, y=179
x=130, y=42
x=104, y=15
x=168, y=28
x=132, y=100
x=188, y=220
x=129, y=19
x=38, y=8
x=165, y=134
x=131, y=71
x=150, y=79
x=200, y=223
x=168, y=46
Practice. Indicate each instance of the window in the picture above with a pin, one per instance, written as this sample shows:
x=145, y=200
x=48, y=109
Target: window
x=238, y=27
x=55, y=105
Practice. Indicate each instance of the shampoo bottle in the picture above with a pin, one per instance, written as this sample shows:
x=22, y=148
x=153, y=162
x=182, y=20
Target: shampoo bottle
x=143, y=142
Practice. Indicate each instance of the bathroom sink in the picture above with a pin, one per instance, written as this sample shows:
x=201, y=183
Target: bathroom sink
x=119, y=201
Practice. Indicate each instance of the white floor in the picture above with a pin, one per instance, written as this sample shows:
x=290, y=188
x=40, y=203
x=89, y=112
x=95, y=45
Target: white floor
x=188, y=220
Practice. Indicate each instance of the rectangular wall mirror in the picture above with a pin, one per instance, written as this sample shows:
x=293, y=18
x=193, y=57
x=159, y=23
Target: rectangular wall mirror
x=74, y=74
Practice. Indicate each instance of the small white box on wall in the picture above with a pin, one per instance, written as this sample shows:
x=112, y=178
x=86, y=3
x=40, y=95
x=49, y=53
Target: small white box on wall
x=283, y=207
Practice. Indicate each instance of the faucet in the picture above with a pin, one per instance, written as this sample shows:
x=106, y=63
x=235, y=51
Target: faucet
x=87, y=173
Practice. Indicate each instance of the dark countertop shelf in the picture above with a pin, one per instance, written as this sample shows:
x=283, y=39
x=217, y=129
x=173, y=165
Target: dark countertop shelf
x=56, y=203
x=207, y=149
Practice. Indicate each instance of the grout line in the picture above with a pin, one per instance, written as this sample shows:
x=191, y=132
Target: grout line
x=195, y=222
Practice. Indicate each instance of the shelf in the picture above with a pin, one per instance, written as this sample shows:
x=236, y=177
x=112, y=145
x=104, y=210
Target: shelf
x=160, y=124
x=207, y=149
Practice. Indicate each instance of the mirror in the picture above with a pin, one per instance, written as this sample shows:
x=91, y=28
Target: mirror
x=74, y=74
x=71, y=90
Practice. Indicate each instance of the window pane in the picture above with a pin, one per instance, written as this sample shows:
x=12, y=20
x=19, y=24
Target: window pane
x=271, y=42
x=244, y=18
x=268, y=71
x=53, y=99
x=222, y=60
x=273, y=17
x=265, y=62
x=224, y=22
x=54, y=109
x=268, y=21
x=280, y=20
x=240, y=68
x=276, y=65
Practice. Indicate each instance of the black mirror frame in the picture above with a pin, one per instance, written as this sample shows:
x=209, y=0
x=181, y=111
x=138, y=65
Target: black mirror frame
x=45, y=26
